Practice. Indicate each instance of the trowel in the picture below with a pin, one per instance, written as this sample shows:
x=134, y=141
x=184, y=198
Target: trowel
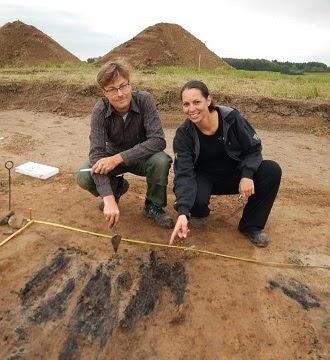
x=115, y=241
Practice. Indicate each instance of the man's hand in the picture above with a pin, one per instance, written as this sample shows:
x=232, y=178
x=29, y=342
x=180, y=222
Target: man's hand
x=105, y=165
x=180, y=229
x=246, y=187
x=111, y=210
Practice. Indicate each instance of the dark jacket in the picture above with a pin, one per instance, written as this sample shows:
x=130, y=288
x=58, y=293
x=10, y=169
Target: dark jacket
x=241, y=144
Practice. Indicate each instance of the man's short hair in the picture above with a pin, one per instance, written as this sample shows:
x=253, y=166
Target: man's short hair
x=110, y=71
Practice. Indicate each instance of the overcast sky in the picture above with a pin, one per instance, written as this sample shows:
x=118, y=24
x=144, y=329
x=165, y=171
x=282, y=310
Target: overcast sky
x=285, y=30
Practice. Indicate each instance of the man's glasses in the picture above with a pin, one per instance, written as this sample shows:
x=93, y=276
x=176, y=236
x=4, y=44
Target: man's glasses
x=113, y=91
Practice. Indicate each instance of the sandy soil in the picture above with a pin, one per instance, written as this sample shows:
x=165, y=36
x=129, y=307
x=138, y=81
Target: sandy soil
x=66, y=295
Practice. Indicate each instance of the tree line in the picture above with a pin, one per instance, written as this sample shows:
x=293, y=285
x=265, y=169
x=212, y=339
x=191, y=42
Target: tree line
x=287, y=67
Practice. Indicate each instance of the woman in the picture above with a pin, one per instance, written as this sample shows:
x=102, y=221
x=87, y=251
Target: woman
x=218, y=152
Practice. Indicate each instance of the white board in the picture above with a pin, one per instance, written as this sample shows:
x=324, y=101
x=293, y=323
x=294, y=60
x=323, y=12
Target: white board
x=37, y=170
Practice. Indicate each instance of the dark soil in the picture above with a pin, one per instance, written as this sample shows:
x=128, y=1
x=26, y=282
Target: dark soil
x=42, y=280
x=297, y=291
x=55, y=306
x=98, y=308
x=153, y=279
x=94, y=316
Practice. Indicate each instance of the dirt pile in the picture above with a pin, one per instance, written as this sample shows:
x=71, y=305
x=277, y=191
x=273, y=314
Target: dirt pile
x=23, y=44
x=164, y=44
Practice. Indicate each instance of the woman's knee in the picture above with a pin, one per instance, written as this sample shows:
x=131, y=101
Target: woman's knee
x=201, y=205
x=275, y=169
x=272, y=170
x=201, y=201
x=204, y=189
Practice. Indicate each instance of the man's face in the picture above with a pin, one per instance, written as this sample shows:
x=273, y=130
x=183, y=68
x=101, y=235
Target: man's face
x=119, y=94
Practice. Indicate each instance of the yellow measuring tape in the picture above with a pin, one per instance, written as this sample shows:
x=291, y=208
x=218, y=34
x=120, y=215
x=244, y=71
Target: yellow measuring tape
x=183, y=248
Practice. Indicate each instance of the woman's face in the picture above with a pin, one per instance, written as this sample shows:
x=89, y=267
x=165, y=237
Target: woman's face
x=195, y=105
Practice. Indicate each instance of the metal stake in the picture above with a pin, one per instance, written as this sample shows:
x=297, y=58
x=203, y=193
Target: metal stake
x=9, y=165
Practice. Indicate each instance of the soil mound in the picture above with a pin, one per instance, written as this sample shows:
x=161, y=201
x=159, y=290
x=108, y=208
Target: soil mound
x=164, y=44
x=23, y=44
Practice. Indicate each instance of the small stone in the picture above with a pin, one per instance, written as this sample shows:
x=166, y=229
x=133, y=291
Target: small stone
x=8, y=232
x=17, y=221
x=5, y=217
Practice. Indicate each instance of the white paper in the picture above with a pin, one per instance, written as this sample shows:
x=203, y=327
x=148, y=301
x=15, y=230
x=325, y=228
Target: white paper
x=37, y=170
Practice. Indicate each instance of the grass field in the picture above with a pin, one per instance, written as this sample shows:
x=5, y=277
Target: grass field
x=231, y=82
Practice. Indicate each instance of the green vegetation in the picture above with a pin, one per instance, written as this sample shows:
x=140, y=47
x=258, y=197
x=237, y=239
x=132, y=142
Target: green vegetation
x=66, y=73
x=287, y=67
x=313, y=86
x=241, y=82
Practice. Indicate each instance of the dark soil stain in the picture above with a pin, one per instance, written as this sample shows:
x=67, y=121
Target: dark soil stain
x=94, y=315
x=70, y=347
x=98, y=308
x=153, y=278
x=22, y=333
x=54, y=306
x=42, y=280
x=297, y=291
x=124, y=281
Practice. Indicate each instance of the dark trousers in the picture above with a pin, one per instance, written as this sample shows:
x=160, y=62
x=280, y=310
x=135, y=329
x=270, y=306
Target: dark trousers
x=155, y=169
x=266, y=183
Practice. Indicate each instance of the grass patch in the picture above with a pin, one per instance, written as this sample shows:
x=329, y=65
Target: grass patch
x=232, y=82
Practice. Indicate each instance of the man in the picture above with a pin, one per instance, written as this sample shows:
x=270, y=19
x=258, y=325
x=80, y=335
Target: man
x=126, y=136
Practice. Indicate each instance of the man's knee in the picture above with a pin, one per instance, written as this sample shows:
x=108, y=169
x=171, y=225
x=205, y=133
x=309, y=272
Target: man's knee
x=161, y=160
x=84, y=179
x=158, y=167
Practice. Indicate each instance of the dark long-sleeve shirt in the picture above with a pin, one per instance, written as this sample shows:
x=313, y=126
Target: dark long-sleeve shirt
x=241, y=143
x=139, y=136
